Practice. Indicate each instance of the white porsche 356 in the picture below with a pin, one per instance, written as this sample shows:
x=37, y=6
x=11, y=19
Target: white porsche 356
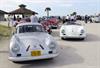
x=72, y=30
x=31, y=42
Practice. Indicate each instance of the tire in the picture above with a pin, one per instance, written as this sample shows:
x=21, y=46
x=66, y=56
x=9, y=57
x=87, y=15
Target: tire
x=54, y=27
x=15, y=62
x=50, y=59
x=82, y=38
x=62, y=38
x=50, y=32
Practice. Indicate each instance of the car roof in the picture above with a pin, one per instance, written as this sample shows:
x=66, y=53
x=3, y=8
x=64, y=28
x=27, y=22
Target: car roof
x=28, y=23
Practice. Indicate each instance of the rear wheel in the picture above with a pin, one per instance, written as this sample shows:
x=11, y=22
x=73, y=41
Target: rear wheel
x=62, y=38
x=54, y=27
x=50, y=59
x=82, y=38
x=16, y=62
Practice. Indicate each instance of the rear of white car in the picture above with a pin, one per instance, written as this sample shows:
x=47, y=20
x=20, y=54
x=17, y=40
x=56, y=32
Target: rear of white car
x=97, y=19
x=72, y=31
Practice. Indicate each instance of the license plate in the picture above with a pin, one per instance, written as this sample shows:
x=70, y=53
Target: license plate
x=35, y=53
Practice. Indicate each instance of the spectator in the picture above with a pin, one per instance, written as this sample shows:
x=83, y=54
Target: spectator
x=73, y=18
x=86, y=18
x=64, y=19
x=27, y=19
x=67, y=18
x=18, y=21
x=90, y=19
x=33, y=18
x=10, y=21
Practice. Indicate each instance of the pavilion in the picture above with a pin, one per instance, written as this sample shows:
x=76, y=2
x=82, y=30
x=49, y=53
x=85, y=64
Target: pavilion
x=22, y=10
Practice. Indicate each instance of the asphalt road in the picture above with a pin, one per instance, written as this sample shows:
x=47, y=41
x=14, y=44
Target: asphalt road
x=74, y=53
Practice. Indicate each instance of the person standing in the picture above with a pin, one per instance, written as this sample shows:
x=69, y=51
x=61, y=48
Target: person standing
x=73, y=18
x=33, y=18
x=64, y=19
x=86, y=18
x=67, y=18
x=9, y=19
x=90, y=19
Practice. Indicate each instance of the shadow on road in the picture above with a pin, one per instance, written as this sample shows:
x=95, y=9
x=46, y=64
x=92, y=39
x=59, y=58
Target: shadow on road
x=68, y=56
x=92, y=37
x=55, y=33
x=89, y=38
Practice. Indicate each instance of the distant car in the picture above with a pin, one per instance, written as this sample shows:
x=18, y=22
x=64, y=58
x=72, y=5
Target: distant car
x=53, y=22
x=96, y=19
x=72, y=30
x=46, y=26
x=31, y=42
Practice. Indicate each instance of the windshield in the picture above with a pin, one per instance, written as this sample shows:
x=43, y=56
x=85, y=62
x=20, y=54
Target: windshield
x=30, y=28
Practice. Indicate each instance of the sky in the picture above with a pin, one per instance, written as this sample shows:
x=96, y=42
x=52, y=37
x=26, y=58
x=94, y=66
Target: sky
x=58, y=7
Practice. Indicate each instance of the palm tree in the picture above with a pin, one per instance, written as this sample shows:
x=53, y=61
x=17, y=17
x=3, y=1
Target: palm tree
x=74, y=13
x=47, y=9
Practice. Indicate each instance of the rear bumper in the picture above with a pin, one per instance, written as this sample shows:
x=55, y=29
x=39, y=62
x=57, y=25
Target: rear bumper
x=73, y=36
x=33, y=58
x=97, y=21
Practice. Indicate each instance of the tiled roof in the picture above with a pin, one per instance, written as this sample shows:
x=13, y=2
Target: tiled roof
x=2, y=12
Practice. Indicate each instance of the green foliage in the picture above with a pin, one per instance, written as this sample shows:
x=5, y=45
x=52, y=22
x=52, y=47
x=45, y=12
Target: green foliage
x=5, y=31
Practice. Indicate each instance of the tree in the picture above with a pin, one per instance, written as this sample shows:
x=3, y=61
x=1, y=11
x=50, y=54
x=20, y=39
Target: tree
x=47, y=9
x=74, y=13
x=22, y=6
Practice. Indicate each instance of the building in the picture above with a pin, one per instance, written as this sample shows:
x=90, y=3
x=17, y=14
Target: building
x=22, y=10
x=2, y=15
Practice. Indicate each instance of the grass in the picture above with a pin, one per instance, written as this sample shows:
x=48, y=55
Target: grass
x=5, y=31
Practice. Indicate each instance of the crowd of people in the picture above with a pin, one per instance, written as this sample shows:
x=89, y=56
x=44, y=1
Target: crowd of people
x=85, y=18
x=33, y=18
x=14, y=21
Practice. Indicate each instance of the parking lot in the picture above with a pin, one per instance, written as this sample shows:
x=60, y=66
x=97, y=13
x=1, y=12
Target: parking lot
x=73, y=54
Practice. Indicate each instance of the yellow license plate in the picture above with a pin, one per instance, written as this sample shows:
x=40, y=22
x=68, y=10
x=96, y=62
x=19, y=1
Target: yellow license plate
x=35, y=53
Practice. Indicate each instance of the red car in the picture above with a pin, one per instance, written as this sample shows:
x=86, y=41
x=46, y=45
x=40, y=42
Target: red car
x=53, y=22
x=46, y=26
